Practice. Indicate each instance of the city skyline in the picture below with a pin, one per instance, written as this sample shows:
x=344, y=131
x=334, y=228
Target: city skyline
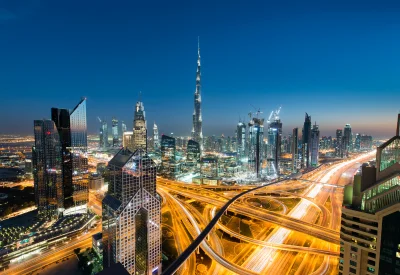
x=243, y=65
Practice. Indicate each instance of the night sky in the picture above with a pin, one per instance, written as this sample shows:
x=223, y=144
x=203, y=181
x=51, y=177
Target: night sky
x=338, y=61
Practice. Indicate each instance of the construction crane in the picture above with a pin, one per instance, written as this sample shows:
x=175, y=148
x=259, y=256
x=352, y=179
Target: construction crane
x=274, y=115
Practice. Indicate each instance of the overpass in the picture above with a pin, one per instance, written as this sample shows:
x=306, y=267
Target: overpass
x=192, y=247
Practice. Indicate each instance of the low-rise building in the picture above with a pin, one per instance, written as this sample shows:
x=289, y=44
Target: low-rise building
x=96, y=182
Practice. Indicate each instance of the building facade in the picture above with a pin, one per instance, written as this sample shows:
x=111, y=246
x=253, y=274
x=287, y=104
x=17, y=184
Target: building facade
x=197, y=130
x=115, y=136
x=339, y=143
x=256, y=146
x=168, y=157
x=47, y=169
x=132, y=214
x=295, y=150
x=241, y=141
x=139, y=128
x=347, y=140
x=306, y=143
x=156, y=138
x=315, y=145
x=369, y=234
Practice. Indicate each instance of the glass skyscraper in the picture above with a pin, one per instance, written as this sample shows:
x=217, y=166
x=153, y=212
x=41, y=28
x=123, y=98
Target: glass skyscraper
x=139, y=128
x=256, y=145
x=315, y=145
x=132, y=214
x=47, y=171
x=115, y=136
x=306, y=142
x=72, y=130
x=168, y=156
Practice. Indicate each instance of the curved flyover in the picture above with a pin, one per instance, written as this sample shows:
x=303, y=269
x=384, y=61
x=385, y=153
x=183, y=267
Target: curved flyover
x=192, y=247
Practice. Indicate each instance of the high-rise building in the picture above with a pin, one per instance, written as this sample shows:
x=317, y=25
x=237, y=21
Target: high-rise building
x=256, y=145
x=123, y=128
x=132, y=214
x=156, y=138
x=72, y=130
x=315, y=145
x=139, y=128
x=115, y=140
x=339, y=143
x=47, y=169
x=103, y=135
x=168, y=157
x=369, y=233
x=193, y=152
x=197, y=130
x=365, y=142
x=274, y=142
x=241, y=141
x=357, y=142
x=306, y=142
x=127, y=140
x=295, y=150
x=347, y=140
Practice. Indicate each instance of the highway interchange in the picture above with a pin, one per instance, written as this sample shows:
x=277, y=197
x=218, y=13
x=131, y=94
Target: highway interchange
x=292, y=226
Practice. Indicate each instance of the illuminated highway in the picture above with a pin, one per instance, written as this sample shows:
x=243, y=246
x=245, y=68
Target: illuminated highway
x=292, y=226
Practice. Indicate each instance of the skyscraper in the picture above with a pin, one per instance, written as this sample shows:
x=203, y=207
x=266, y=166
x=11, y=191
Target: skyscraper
x=295, y=150
x=132, y=214
x=139, y=128
x=156, y=138
x=168, y=157
x=274, y=142
x=47, y=169
x=114, y=125
x=72, y=130
x=127, y=140
x=369, y=233
x=241, y=141
x=103, y=134
x=347, y=140
x=193, y=152
x=357, y=142
x=256, y=145
x=306, y=142
x=123, y=128
x=339, y=143
x=315, y=145
x=197, y=131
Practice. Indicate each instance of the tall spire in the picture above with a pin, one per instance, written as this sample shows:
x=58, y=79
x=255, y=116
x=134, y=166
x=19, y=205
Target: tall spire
x=197, y=133
x=398, y=125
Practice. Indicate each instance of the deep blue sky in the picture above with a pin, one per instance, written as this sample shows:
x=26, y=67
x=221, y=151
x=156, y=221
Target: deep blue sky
x=338, y=61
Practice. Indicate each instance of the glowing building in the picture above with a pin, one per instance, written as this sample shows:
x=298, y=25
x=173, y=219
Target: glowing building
x=339, y=143
x=132, y=214
x=347, y=140
x=103, y=134
x=315, y=145
x=156, y=138
x=295, y=150
x=274, y=143
x=193, y=152
x=168, y=157
x=256, y=145
x=241, y=141
x=306, y=143
x=72, y=130
x=114, y=125
x=47, y=169
x=369, y=233
x=139, y=128
x=197, y=130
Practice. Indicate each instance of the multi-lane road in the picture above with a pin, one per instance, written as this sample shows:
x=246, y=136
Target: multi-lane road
x=300, y=239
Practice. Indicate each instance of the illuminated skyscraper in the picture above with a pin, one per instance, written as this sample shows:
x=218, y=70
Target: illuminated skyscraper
x=139, y=128
x=357, y=142
x=274, y=142
x=339, y=143
x=115, y=140
x=127, y=140
x=193, y=152
x=347, y=140
x=306, y=142
x=47, y=169
x=256, y=145
x=197, y=131
x=156, y=138
x=315, y=145
x=295, y=150
x=168, y=157
x=123, y=128
x=241, y=141
x=370, y=232
x=132, y=214
x=103, y=134
x=72, y=130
